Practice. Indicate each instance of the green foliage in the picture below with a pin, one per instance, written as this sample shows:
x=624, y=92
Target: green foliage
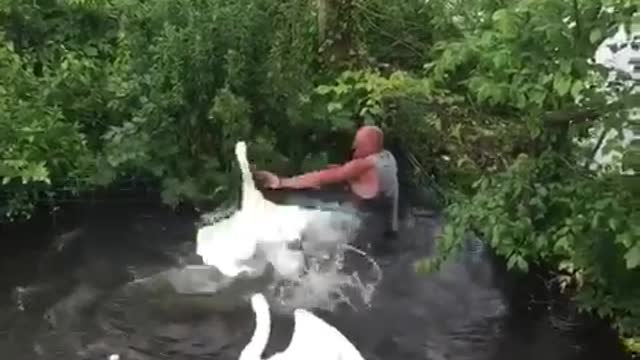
x=395, y=34
x=527, y=63
x=104, y=89
x=38, y=146
x=498, y=100
x=586, y=227
x=193, y=76
x=633, y=344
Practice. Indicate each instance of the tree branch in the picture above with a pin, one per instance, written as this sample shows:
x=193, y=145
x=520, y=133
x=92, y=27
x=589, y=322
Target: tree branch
x=595, y=149
x=577, y=116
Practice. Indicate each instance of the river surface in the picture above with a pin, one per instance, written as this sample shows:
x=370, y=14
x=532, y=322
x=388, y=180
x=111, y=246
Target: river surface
x=77, y=287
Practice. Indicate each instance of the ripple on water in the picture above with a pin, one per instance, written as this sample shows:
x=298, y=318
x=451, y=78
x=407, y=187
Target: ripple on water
x=458, y=313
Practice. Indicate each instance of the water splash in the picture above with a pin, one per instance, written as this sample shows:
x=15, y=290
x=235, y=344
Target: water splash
x=323, y=281
x=229, y=244
x=306, y=248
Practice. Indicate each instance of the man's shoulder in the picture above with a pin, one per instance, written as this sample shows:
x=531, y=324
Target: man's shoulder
x=384, y=156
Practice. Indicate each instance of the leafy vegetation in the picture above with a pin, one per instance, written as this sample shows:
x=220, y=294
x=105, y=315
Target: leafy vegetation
x=499, y=100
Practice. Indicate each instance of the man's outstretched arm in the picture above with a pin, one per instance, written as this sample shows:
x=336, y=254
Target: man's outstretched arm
x=351, y=170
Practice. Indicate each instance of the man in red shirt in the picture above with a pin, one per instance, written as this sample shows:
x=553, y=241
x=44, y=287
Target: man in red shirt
x=371, y=174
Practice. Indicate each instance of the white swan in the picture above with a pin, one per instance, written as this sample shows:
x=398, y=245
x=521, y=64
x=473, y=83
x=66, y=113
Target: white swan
x=313, y=339
x=232, y=242
x=276, y=223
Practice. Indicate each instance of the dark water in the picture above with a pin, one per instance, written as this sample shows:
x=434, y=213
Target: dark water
x=68, y=291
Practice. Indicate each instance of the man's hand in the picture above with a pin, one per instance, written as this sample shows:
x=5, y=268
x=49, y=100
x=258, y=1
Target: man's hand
x=268, y=179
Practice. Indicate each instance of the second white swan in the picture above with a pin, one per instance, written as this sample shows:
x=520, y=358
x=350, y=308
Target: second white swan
x=313, y=339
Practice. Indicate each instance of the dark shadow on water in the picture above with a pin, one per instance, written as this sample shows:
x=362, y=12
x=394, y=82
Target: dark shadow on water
x=95, y=284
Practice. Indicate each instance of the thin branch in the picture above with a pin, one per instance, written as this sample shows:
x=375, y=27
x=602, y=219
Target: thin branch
x=595, y=149
x=582, y=115
x=393, y=37
x=578, y=29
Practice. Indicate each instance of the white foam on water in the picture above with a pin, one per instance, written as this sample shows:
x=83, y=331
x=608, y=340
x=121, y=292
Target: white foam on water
x=326, y=284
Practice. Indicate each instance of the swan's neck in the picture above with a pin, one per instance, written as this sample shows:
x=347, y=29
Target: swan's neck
x=255, y=348
x=250, y=194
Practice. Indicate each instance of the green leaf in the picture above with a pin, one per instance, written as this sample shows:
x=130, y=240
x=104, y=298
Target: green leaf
x=632, y=257
x=522, y=264
x=576, y=88
x=562, y=84
x=341, y=89
x=91, y=51
x=499, y=15
x=625, y=239
x=595, y=35
x=334, y=106
x=36, y=172
x=562, y=244
x=566, y=66
x=517, y=261
x=324, y=89
x=537, y=97
x=566, y=265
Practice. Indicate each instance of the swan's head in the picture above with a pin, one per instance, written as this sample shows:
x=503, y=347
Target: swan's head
x=241, y=150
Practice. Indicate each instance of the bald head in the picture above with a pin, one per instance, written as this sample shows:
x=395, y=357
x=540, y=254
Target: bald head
x=368, y=140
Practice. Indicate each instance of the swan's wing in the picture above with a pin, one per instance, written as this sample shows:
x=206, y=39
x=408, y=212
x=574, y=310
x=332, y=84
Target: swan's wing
x=227, y=236
x=284, y=223
x=224, y=245
x=314, y=338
